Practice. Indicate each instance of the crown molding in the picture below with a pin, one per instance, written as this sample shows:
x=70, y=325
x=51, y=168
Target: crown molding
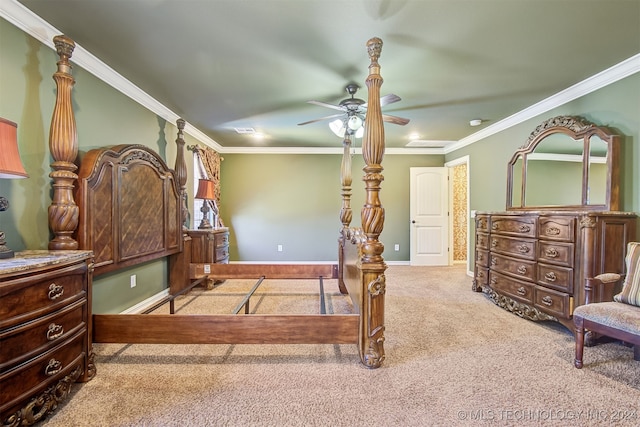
x=604, y=78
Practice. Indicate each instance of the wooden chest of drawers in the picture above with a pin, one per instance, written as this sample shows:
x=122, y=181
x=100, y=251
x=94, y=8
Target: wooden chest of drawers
x=45, y=324
x=210, y=246
x=536, y=263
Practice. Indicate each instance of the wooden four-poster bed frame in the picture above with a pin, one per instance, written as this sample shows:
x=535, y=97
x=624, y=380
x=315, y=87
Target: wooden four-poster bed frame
x=131, y=209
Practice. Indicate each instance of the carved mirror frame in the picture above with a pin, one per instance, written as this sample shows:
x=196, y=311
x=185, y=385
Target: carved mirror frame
x=580, y=132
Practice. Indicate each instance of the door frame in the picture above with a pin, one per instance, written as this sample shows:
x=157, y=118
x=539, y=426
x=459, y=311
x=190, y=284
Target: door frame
x=450, y=164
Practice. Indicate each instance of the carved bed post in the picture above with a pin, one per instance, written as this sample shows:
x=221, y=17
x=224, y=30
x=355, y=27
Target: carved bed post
x=372, y=265
x=63, y=144
x=181, y=174
x=346, y=213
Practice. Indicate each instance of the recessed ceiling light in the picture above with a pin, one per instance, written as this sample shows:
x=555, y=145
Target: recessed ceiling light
x=245, y=131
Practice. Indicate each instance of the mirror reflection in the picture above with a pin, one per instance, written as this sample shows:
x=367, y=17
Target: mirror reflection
x=565, y=164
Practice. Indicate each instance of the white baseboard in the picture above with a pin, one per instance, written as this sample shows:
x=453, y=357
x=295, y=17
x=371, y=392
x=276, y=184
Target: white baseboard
x=149, y=302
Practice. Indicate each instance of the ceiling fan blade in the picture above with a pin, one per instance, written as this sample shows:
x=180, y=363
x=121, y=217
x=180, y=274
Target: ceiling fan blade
x=389, y=99
x=320, y=119
x=324, y=104
x=394, y=119
x=386, y=100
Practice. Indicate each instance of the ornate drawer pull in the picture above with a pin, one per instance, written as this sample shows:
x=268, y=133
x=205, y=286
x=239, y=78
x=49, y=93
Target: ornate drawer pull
x=53, y=367
x=482, y=223
x=522, y=269
x=494, y=261
x=547, y=301
x=54, y=331
x=552, y=231
x=493, y=281
x=55, y=291
x=480, y=257
x=523, y=249
x=494, y=226
x=480, y=275
x=524, y=229
x=551, y=276
x=521, y=291
x=494, y=243
x=551, y=253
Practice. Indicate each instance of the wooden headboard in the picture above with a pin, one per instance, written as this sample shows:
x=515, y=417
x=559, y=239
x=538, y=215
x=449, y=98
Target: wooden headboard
x=130, y=207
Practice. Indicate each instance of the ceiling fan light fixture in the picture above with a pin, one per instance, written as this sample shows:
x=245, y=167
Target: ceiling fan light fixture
x=340, y=126
x=337, y=126
x=354, y=122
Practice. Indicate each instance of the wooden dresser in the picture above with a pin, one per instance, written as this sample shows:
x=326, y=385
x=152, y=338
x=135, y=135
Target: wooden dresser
x=210, y=246
x=536, y=264
x=201, y=246
x=563, y=224
x=45, y=324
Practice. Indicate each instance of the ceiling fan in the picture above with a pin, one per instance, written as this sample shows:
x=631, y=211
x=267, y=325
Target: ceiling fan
x=353, y=111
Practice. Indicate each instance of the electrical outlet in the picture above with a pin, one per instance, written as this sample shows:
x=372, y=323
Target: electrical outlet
x=279, y=248
x=133, y=280
x=396, y=247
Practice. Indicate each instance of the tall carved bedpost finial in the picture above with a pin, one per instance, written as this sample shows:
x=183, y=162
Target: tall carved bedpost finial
x=181, y=174
x=371, y=345
x=63, y=144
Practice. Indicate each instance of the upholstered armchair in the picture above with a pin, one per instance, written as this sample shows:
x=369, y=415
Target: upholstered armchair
x=620, y=318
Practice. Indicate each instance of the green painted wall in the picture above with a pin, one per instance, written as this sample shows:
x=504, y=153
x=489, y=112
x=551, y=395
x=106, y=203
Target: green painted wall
x=294, y=201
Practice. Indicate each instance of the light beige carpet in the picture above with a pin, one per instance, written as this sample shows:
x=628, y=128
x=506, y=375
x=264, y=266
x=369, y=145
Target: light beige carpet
x=452, y=358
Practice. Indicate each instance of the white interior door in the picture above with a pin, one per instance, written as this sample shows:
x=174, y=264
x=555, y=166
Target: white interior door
x=429, y=209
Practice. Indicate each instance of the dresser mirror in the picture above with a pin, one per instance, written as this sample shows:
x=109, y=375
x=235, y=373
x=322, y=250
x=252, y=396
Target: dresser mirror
x=566, y=163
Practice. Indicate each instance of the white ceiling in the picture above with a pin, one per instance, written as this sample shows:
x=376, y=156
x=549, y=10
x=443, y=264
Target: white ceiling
x=225, y=64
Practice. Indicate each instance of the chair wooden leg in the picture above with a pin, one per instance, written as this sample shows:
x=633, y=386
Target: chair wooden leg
x=579, y=327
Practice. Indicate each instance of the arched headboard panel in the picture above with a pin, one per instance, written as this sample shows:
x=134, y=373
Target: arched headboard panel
x=130, y=207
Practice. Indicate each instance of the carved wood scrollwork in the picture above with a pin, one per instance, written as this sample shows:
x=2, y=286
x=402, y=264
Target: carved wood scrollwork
x=45, y=403
x=523, y=310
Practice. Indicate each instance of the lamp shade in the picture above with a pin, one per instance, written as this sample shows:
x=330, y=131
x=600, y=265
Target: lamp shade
x=206, y=190
x=10, y=163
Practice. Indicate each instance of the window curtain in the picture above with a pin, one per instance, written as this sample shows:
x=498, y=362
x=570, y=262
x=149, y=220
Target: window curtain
x=209, y=165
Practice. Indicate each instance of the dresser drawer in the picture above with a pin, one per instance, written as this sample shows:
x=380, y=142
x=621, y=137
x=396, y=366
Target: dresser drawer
x=558, y=304
x=23, y=300
x=521, y=269
x=517, y=289
x=222, y=239
x=521, y=248
x=556, y=253
x=222, y=255
x=482, y=240
x=42, y=372
x=482, y=223
x=481, y=275
x=561, y=228
x=482, y=258
x=559, y=278
x=28, y=340
x=524, y=226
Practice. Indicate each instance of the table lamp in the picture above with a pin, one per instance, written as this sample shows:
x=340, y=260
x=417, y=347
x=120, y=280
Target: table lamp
x=206, y=192
x=10, y=167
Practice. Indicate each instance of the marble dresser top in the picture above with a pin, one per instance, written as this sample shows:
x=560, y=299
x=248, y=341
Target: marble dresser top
x=26, y=260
